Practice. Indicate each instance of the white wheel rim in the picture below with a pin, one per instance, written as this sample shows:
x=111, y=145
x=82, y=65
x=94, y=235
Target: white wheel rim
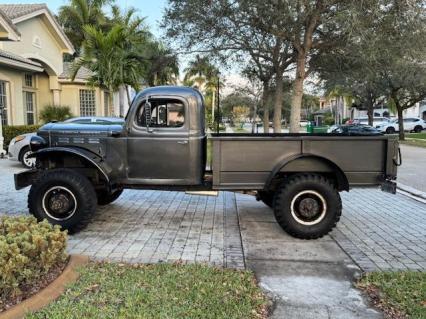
x=62, y=189
x=28, y=161
x=309, y=194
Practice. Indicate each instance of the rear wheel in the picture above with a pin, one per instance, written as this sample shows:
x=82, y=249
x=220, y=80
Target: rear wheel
x=307, y=206
x=418, y=129
x=24, y=158
x=63, y=197
x=266, y=197
x=390, y=130
x=105, y=198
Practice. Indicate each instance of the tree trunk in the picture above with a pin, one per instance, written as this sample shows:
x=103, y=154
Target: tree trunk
x=213, y=103
x=278, y=101
x=253, y=124
x=400, y=122
x=296, y=100
x=129, y=102
x=265, y=102
x=370, y=109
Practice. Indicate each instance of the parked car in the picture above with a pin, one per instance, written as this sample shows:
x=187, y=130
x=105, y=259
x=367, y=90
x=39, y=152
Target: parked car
x=19, y=149
x=377, y=120
x=411, y=124
x=303, y=123
x=352, y=129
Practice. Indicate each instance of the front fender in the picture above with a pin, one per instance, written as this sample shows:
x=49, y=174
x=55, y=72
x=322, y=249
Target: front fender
x=25, y=178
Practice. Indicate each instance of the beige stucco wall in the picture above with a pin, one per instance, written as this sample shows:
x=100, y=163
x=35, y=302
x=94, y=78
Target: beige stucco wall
x=14, y=80
x=49, y=53
x=70, y=96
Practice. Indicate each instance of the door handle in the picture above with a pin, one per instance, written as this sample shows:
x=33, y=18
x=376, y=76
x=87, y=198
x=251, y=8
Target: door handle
x=182, y=142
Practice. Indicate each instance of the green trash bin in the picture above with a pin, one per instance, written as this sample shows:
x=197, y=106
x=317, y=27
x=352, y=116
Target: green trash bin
x=309, y=127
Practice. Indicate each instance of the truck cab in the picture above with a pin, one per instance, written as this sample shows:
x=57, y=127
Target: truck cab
x=166, y=138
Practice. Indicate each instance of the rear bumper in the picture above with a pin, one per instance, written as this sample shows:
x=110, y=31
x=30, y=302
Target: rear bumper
x=389, y=186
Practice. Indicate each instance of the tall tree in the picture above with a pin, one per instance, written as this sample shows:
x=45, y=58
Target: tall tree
x=114, y=57
x=227, y=28
x=78, y=13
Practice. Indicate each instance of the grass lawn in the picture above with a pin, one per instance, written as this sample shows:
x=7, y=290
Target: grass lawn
x=159, y=291
x=416, y=135
x=397, y=293
x=419, y=142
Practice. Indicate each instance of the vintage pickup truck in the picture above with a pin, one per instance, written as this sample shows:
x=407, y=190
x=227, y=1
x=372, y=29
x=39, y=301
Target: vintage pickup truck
x=163, y=145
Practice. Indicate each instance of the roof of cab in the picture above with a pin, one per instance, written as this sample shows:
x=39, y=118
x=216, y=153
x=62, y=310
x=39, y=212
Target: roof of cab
x=182, y=91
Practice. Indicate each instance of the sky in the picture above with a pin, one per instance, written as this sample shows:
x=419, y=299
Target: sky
x=151, y=9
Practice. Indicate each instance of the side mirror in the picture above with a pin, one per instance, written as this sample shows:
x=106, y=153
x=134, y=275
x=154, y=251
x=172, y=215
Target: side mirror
x=147, y=111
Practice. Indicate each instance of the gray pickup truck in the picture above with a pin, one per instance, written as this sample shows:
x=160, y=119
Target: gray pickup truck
x=163, y=145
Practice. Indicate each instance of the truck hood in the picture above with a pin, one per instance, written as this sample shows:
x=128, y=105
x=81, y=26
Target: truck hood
x=79, y=128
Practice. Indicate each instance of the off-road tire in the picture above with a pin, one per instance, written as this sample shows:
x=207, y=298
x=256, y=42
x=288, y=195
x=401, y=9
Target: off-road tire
x=267, y=198
x=76, y=183
x=291, y=189
x=390, y=130
x=105, y=198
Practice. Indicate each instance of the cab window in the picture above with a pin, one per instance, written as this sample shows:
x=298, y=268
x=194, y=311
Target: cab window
x=164, y=113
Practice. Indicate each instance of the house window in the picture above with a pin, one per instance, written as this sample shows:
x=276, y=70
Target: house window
x=29, y=80
x=29, y=102
x=87, y=103
x=106, y=103
x=3, y=103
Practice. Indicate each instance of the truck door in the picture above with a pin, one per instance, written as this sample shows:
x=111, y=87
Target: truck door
x=160, y=154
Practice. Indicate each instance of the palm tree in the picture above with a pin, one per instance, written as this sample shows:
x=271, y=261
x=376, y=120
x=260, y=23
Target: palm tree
x=204, y=76
x=114, y=57
x=163, y=66
x=78, y=13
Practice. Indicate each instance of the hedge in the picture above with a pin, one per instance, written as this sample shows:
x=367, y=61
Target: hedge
x=28, y=250
x=10, y=132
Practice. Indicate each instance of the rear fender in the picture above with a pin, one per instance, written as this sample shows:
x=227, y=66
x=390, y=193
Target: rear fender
x=308, y=163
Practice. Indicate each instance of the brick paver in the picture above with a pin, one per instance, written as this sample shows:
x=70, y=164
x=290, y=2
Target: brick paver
x=379, y=231
x=149, y=226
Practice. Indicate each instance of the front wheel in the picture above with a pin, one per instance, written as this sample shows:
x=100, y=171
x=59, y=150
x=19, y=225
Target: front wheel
x=307, y=206
x=390, y=130
x=25, y=158
x=62, y=196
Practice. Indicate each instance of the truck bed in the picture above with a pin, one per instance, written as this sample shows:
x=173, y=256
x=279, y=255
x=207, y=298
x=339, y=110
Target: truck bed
x=247, y=161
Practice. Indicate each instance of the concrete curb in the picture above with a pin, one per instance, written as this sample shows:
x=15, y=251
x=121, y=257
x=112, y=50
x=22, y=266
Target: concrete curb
x=50, y=293
x=411, y=192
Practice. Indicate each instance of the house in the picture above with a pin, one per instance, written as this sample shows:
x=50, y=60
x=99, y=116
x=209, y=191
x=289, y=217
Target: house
x=338, y=105
x=32, y=69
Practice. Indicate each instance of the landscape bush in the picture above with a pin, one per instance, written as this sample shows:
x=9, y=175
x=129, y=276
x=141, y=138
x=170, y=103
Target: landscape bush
x=10, y=131
x=28, y=251
x=50, y=113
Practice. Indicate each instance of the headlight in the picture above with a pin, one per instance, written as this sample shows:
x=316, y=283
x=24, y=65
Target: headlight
x=19, y=138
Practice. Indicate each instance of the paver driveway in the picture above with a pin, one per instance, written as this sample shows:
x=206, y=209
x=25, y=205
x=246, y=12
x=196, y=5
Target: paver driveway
x=377, y=230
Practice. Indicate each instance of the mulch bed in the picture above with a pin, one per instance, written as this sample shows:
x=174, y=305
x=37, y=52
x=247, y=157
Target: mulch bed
x=32, y=289
x=377, y=299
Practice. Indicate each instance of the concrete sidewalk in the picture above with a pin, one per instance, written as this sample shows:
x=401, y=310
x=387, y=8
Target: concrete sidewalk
x=306, y=279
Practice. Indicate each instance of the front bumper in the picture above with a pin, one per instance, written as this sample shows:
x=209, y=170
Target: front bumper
x=25, y=178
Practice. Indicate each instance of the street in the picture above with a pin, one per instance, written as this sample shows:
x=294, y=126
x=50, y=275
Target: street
x=413, y=170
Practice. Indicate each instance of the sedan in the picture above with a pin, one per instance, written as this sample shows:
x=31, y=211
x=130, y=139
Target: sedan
x=19, y=147
x=355, y=130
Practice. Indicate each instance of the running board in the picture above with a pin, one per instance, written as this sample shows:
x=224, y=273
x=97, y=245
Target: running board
x=204, y=193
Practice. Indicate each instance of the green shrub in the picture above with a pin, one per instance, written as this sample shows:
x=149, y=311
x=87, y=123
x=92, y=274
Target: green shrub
x=51, y=113
x=28, y=250
x=329, y=120
x=10, y=132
